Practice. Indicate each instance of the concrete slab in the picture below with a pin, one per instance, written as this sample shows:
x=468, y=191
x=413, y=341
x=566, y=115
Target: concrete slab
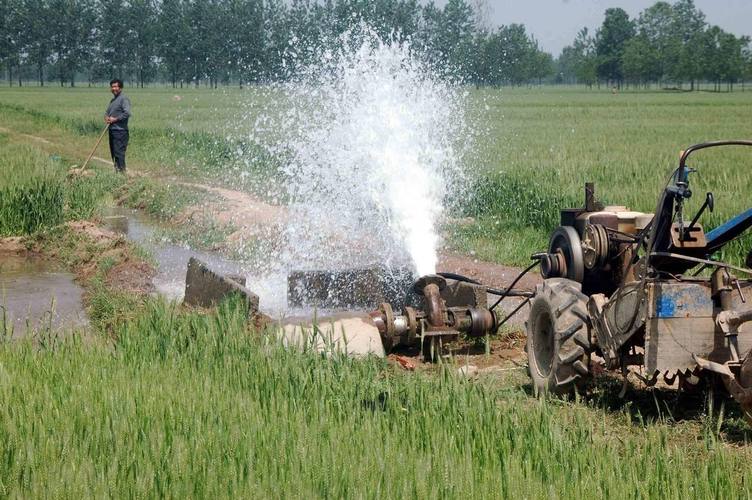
x=205, y=287
x=357, y=288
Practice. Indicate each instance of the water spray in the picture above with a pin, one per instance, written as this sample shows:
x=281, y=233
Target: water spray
x=369, y=134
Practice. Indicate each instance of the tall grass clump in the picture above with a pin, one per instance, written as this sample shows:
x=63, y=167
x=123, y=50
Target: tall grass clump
x=84, y=195
x=511, y=216
x=36, y=194
x=31, y=191
x=522, y=201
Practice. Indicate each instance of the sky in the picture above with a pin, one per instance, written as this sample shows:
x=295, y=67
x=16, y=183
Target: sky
x=555, y=23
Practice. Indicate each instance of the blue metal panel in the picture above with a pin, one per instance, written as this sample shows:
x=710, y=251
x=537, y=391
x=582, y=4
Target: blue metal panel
x=728, y=230
x=665, y=306
x=682, y=300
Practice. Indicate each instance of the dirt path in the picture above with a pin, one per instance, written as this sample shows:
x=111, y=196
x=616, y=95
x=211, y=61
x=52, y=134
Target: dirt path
x=252, y=216
x=249, y=215
x=47, y=142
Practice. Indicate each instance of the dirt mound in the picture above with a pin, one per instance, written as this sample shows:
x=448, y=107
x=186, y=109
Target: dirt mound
x=99, y=236
x=131, y=275
x=14, y=245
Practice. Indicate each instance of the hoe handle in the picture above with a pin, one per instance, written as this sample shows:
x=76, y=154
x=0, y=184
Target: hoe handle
x=106, y=127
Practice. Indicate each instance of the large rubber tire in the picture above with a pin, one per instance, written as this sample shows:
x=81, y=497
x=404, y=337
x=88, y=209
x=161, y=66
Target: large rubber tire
x=558, y=337
x=745, y=380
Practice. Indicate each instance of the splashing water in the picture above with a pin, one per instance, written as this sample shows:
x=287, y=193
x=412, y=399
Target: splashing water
x=370, y=134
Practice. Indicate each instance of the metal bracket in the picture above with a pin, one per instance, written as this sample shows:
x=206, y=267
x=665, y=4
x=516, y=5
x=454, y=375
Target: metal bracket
x=743, y=395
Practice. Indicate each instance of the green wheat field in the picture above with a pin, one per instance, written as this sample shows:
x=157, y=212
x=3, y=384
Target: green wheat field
x=166, y=402
x=530, y=150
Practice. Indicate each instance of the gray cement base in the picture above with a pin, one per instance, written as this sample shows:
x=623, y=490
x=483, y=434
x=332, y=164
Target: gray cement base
x=206, y=288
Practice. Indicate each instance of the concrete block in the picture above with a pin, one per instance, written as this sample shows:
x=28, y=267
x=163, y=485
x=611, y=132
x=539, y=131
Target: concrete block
x=349, y=288
x=205, y=287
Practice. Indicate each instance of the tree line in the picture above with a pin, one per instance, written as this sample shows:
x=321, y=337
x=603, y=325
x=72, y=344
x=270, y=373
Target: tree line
x=250, y=41
x=219, y=41
x=668, y=44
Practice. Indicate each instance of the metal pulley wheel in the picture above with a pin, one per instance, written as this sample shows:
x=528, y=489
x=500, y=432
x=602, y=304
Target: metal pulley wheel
x=384, y=318
x=594, y=246
x=564, y=258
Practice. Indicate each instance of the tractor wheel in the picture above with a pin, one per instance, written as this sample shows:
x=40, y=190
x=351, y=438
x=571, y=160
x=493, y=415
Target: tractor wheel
x=745, y=380
x=558, y=338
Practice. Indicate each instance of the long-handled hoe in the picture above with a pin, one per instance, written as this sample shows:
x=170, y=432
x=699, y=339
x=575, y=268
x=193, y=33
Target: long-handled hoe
x=74, y=171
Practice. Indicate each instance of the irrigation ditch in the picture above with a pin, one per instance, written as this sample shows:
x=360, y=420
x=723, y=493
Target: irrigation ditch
x=136, y=246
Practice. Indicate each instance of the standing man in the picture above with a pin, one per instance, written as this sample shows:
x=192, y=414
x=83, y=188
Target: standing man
x=117, y=114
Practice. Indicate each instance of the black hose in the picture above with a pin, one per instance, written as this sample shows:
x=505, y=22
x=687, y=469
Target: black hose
x=518, y=278
x=459, y=277
x=507, y=292
x=527, y=300
x=499, y=292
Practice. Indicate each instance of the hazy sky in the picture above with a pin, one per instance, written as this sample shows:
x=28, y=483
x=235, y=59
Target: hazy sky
x=555, y=23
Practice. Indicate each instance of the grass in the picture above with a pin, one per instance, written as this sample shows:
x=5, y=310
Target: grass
x=533, y=153
x=187, y=404
x=35, y=192
x=163, y=201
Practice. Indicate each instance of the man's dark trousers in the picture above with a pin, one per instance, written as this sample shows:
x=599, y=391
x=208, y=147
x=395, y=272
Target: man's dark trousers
x=118, y=144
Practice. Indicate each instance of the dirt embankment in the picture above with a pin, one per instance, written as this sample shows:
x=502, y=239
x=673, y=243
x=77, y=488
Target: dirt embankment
x=100, y=249
x=89, y=251
x=12, y=246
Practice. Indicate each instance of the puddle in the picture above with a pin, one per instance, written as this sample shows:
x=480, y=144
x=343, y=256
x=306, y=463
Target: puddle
x=35, y=293
x=172, y=262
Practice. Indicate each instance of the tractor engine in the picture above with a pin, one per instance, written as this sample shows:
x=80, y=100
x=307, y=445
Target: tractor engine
x=594, y=245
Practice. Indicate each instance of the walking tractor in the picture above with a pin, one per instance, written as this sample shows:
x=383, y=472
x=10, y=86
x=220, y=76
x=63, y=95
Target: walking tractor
x=635, y=292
